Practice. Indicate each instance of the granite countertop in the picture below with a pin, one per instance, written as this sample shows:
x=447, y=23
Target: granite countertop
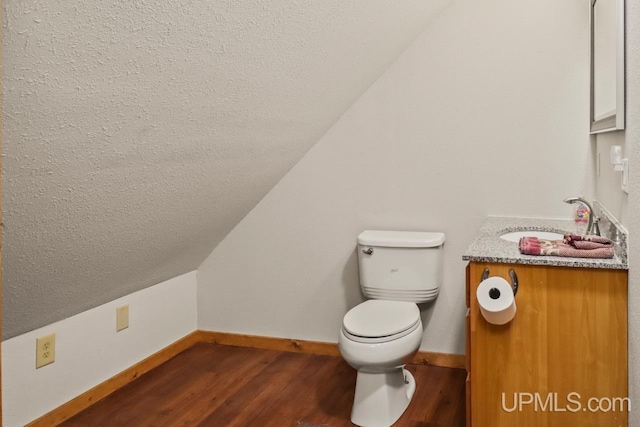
x=489, y=247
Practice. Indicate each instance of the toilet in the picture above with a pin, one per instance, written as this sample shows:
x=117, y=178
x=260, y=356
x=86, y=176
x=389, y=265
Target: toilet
x=398, y=270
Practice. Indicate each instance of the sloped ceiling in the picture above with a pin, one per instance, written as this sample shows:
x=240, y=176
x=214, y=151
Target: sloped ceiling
x=137, y=134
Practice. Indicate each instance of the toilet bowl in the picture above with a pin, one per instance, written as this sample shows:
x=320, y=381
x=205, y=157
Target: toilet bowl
x=379, y=336
x=379, y=351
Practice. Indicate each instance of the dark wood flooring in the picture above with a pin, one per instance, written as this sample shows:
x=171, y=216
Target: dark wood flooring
x=215, y=385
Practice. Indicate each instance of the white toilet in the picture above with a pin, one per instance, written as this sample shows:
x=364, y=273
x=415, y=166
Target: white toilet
x=397, y=270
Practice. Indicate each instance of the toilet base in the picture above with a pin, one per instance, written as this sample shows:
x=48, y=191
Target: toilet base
x=381, y=398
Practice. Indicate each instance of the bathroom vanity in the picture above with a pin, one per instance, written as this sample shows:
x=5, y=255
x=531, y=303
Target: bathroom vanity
x=566, y=345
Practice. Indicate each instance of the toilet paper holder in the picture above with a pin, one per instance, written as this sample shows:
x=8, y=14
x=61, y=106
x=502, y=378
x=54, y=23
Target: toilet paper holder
x=495, y=293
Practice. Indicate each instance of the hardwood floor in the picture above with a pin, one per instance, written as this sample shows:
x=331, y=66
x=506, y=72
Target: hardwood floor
x=216, y=385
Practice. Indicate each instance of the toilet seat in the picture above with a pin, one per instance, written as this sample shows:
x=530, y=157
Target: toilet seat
x=377, y=321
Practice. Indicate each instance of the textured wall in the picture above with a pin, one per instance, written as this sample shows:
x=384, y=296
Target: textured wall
x=485, y=113
x=136, y=134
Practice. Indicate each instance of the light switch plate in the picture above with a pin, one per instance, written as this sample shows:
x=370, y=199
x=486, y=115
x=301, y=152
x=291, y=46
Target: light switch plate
x=625, y=175
x=122, y=318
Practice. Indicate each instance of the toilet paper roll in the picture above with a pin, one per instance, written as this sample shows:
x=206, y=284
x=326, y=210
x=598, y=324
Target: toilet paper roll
x=496, y=300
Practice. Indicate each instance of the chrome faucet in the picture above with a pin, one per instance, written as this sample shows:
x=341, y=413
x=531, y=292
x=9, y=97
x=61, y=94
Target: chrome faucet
x=592, y=227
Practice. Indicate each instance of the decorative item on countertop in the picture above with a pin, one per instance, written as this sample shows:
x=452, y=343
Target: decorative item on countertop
x=581, y=213
x=573, y=245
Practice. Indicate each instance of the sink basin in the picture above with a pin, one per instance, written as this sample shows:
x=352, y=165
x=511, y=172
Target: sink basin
x=514, y=236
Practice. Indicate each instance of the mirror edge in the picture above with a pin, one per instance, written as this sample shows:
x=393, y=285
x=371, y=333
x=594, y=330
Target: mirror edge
x=614, y=121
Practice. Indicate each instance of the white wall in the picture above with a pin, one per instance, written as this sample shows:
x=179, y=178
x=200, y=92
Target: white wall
x=89, y=351
x=624, y=206
x=632, y=139
x=483, y=114
x=609, y=182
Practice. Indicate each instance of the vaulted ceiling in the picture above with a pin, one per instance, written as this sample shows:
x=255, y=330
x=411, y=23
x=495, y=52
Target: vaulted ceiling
x=137, y=134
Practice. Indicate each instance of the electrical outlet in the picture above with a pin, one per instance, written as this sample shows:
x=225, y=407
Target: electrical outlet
x=122, y=318
x=45, y=350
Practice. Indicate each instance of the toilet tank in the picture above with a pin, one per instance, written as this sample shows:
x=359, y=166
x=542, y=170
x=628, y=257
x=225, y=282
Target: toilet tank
x=400, y=265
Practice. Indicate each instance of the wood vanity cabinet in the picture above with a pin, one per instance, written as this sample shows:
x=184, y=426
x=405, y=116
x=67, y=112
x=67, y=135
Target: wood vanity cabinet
x=566, y=345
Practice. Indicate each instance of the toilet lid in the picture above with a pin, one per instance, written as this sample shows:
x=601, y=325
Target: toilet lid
x=380, y=318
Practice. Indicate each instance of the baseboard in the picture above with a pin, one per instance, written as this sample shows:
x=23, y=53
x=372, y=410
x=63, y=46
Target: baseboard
x=269, y=343
x=444, y=360
x=104, y=389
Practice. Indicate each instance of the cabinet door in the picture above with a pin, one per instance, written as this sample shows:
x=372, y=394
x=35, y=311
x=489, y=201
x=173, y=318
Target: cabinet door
x=468, y=399
x=566, y=344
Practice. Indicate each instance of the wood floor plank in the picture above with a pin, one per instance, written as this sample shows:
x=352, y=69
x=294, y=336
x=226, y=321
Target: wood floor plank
x=244, y=407
x=299, y=399
x=229, y=375
x=203, y=374
x=441, y=396
x=217, y=385
x=333, y=397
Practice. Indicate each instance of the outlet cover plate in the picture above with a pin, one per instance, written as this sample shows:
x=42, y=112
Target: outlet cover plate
x=45, y=350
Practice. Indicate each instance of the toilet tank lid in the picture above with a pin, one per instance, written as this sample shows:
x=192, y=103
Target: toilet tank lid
x=401, y=239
